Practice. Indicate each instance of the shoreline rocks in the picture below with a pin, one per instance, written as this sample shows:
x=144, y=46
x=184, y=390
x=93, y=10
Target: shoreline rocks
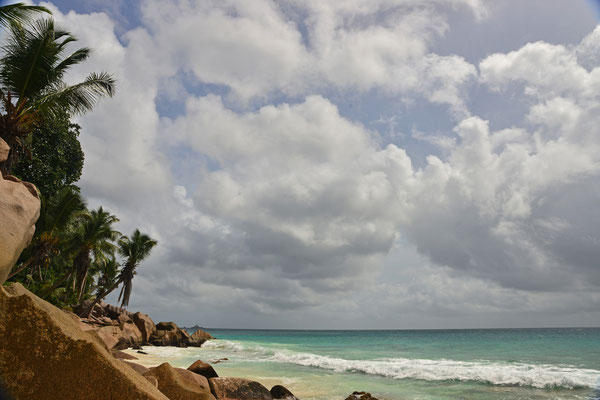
x=121, y=329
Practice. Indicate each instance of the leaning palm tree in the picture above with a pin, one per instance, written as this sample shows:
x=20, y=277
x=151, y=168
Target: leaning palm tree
x=19, y=13
x=108, y=275
x=135, y=249
x=94, y=237
x=51, y=230
x=32, y=68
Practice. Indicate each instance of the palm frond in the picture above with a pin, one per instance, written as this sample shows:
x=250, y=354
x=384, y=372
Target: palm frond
x=75, y=58
x=19, y=13
x=29, y=58
x=78, y=98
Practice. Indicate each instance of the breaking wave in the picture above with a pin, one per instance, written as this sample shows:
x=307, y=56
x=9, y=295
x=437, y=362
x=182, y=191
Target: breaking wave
x=491, y=372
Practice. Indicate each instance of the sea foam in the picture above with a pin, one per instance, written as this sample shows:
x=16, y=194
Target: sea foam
x=491, y=372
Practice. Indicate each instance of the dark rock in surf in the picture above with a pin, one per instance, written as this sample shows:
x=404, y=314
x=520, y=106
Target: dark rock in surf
x=282, y=393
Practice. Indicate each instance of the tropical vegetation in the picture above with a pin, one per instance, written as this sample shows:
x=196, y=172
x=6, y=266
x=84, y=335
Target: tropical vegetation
x=76, y=253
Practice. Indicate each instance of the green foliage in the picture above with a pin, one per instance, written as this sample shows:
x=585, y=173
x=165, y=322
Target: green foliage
x=32, y=69
x=74, y=253
x=93, y=237
x=135, y=249
x=19, y=13
x=56, y=155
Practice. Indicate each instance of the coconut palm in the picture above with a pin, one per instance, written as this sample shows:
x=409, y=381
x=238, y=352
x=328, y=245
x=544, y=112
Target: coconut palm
x=19, y=13
x=135, y=249
x=93, y=237
x=52, y=228
x=32, y=69
x=109, y=274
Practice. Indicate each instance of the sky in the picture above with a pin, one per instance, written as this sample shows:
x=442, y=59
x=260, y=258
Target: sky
x=350, y=164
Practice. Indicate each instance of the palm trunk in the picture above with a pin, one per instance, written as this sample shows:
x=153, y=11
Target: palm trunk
x=57, y=284
x=22, y=267
x=99, y=298
x=82, y=265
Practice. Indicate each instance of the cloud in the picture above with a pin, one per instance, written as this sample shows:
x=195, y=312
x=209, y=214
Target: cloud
x=260, y=51
x=289, y=205
x=516, y=206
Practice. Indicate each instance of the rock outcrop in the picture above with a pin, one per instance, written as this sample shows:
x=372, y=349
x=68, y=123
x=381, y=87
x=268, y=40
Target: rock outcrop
x=176, y=386
x=201, y=368
x=46, y=356
x=121, y=329
x=19, y=211
x=238, y=389
x=279, y=392
x=200, y=335
x=145, y=324
x=120, y=333
x=169, y=334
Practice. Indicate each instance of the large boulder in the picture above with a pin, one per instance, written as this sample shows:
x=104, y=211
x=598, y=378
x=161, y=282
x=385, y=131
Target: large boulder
x=201, y=335
x=130, y=335
x=4, y=150
x=46, y=356
x=194, y=378
x=201, y=368
x=238, y=389
x=109, y=335
x=19, y=210
x=145, y=324
x=139, y=368
x=123, y=318
x=279, y=392
x=175, y=386
x=164, y=338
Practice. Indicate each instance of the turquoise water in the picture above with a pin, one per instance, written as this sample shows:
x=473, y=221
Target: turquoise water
x=426, y=364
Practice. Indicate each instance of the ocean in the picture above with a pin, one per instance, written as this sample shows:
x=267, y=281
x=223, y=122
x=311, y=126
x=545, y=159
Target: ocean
x=526, y=364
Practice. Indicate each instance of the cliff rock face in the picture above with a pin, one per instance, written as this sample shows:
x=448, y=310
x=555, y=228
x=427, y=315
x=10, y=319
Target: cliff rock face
x=19, y=210
x=46, y=356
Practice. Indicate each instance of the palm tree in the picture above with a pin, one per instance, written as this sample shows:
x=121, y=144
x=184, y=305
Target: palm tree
x=109, y=275
x=31, y=82
x=19, y=13
x=135, y=249
x=94, y=237
x=56, y=214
